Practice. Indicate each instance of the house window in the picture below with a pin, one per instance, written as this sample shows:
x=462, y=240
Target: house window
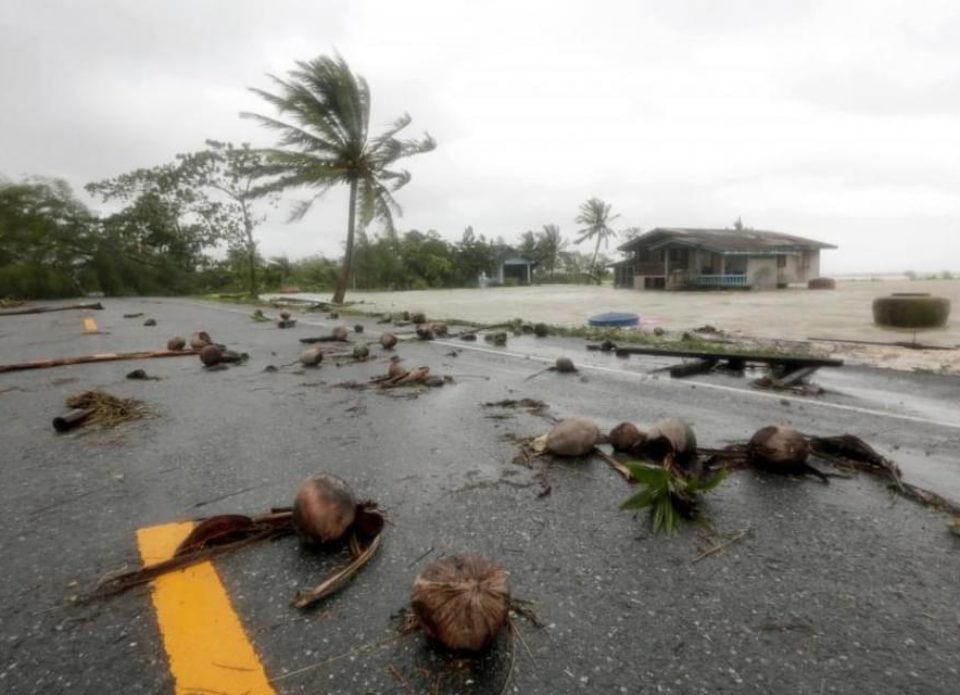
x=781, y=261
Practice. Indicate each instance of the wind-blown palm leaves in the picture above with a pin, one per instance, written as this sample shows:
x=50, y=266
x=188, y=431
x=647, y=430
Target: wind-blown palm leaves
x=324, y=115
x=596, y=218
x=668, y=493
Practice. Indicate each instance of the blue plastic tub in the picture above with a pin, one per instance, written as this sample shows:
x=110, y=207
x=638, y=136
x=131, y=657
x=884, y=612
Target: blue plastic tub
x=615, y=318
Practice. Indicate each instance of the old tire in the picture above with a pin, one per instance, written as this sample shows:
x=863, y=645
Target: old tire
x=822, y=284
x=911, y=312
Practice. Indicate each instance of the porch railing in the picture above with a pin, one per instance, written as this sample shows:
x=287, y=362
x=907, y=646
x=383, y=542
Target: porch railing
x=720, y=281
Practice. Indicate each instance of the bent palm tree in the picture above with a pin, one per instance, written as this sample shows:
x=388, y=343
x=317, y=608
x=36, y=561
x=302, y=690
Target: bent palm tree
x=552, y=246
x=327, y=143
x=595, y=216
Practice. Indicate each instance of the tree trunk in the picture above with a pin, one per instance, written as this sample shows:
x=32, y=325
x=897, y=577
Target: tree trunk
x=251, y=251
x=344, y=281
x=593, y=263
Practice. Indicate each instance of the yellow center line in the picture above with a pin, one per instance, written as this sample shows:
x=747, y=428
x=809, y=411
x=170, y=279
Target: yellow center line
x=89, y=325
x=206, y=646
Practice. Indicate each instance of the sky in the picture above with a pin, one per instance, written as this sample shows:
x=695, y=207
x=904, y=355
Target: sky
x=837, y=120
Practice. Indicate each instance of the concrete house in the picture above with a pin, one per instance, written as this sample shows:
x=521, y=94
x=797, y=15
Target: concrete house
x=674, y=258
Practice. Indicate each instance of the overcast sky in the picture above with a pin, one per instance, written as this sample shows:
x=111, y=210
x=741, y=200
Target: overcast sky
x=833, y=119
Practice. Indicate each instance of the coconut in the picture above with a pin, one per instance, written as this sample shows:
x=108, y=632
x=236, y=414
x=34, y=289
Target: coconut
x=779, y=448
x=361, y=352
x=323, y=509
x=395, y=370
x=200, y=340
x=540, y=330
x=387, y=341
x=211, y=355
x=439, y=329
x=285, y=315
x=461, y=601
x=424, y=332
x=176, y=343
x=564, y=365
x=358, y=328
x=150, y=322
x=311, y=357
x=574, y=436
x=671, y=437
x=417, y=317
x=340, y=333
x=625, y=437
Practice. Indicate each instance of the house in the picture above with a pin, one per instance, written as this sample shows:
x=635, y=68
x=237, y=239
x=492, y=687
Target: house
x=674, y=258
x=513, y=268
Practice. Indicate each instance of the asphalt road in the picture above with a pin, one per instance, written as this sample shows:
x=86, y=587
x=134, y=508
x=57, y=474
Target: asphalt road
x=837, y=588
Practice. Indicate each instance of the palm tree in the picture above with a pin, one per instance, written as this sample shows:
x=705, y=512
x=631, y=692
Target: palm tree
x=595, y=216
x=324, y=142
x=551, y=246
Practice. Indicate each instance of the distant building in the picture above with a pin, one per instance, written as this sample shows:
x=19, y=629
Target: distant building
x=513, y=268
x=674, y=258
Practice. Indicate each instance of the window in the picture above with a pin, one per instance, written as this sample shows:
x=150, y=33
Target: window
x=781, y=261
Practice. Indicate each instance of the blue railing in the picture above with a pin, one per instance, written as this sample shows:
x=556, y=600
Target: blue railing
x=720, y=281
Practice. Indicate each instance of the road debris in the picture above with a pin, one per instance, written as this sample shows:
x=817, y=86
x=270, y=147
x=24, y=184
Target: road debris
x=133, y=316
x=388, y=341
x=141, y=375
x=782, y=449
x=563, y=365
x=572, y=437
x=627, y=438
x=97, y=306
x=86, y=359
x=98, y=408
x=311, y=357
x=200, y=340
x=176, y=343
x=670, y=492
x=461, y=602
x=150, y=322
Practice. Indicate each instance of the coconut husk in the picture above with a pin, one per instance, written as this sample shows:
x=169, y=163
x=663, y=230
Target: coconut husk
x=425, y=332
x=626, y=438
x=323, y=509
x=311, y=357
x=176, y=343
x=388, y=341
x=781, y=449
x=106, y=410
x=200, y=340
x=361, y=352
x=670, y=440
x=340, y=333
x=564, y=365
x=575, y=436
x=211, y=355
x=461, y=602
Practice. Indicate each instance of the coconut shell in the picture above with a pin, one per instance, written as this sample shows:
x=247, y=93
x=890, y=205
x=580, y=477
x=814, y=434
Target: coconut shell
x=439, y=329
x=361, y=352
x=176, y=343
x=565, y=365
x=779, y=448
x=424, y=332
x=395, y=369
x=575, y=436
x=461, y=601
x=671, y=437
x=285, y=315
x=626, y=437
x=388, y=341
x=417, y=317
x=323, y=509
x=200, y=340
x=211, y=355
x=311, y=357
x=340, y=333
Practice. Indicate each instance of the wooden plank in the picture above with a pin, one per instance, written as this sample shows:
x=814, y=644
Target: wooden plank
x=786, y=360
x=678, y=371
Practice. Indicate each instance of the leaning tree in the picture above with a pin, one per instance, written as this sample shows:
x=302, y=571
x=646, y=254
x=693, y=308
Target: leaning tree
x=323, y=123
x=596, y=218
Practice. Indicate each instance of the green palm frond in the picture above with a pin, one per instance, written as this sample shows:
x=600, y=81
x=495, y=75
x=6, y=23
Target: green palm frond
x=668, y=493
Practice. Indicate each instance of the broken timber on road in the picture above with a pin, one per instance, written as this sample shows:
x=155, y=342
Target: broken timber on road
x=44, y=309
x=102, y=357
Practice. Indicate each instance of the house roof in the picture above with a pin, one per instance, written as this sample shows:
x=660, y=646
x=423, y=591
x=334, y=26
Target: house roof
x=732, y=241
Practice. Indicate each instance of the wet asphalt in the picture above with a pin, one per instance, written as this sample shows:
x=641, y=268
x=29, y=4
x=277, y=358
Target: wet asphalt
x=838, y=588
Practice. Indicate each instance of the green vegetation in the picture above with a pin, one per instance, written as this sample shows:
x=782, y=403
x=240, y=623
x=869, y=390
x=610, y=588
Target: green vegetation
x=596, y=218
x=668, y=493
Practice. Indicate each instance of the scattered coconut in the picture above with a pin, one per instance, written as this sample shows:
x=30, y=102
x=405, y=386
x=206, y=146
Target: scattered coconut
x=540, y=330
x=461, y=601
x=323, y=509
x=417, y=317
x=440, y=329
x=150, y=322
x=468, y=336
x=340, y=333
x=434, y=380
x=200, y=340
x=211, y=355
x=626, y=437
x=176, y=343
x=575, y=436
x=564, y=365
x=361, y=352
x=311, y=357
x=388, y=341
x=424, y=332
x=671, y=438
x=285, y=315
x=779, y=447
x=333, y=315
x=395, y=370
x=358, y=328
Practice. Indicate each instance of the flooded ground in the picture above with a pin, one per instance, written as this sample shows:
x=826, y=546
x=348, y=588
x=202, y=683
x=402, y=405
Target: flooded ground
x=794, y=314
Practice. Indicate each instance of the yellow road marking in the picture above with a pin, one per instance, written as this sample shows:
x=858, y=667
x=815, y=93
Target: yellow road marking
x=89, y=325
x=206, y=646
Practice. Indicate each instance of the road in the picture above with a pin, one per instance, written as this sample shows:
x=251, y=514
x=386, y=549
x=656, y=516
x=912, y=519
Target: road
x=837, y=588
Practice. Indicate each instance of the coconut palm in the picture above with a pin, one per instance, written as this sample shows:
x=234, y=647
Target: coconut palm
x=596, y=218
x=324, y=115
x=551, y=245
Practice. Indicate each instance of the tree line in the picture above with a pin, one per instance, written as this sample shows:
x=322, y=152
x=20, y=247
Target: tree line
x=189, y=226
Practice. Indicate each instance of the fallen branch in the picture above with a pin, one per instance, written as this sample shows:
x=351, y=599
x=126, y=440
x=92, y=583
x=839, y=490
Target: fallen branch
x=97, y=306
x=896, y=343
x=614, y=464
x=85, y=359
x=341, y=577
x=720, y=546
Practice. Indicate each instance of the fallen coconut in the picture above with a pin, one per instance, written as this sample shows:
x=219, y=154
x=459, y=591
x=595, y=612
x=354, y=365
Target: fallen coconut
x=311, y=357
x=211, y=355
x=626, y=437
x=199, y=340
x=285, y=315
x=564, y=365
x=424, y=332
x=781, y=449
x=395, y=370
x=176, y=343
x=670, y=438
x=416, y=317
x=323, y=509
x=439, y=329
x=358, y=328
x=150, y=322
x=340, y=333
x=575, y=436
x=361, y=352
x=461, y=601
x=388, y=341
